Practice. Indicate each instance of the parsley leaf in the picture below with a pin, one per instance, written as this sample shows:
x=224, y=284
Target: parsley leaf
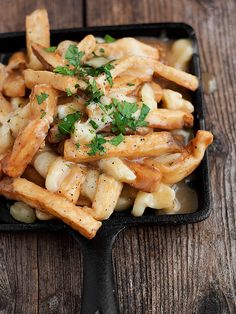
x=144, y=112
x=64, y=71
x=69, y=92
x=130, y=84
x=109, y=39
x=77, y=145
x=117, y=139
x=66, y=125
x=40, y=98
x=94, y=93
x=51, y=49
x=43, y=114
x=106, y=69
x=96, y=145
x=94, y=124
x=74, y=56
x=101, y=50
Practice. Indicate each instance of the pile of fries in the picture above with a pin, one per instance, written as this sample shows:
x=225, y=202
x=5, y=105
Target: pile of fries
x=86, y=129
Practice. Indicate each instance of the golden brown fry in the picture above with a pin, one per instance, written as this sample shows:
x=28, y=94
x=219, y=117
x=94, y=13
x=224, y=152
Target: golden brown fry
x=174, y=100
x=35, y=196
x=106, y=196
x=158, y=92
x=179, y=77
x=37, y=31
x=57, y=81
x=17, y=61
x=3, y=75
x=133, y=146
x=14, y=85
x=87, y=45
x=127, y=84
x=32, y=175
x=148, y=178
x=126, y=46
x=29, y=140
x=5, y=108
x=50, y=60
x=169, y=119
x=187, y=162
x=70, y=187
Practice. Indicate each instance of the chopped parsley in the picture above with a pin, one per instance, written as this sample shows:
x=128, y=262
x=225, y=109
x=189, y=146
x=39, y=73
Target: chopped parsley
x=94, y=93
x=130, y=84
x=109, y=39
x=43, y=114
x=40, y=98
x=74, y=56
x=64, y=71
x=94, y=72
x=94, y=124
x=51, y=49
x=123, y=117
x=77, y=145
x=66, y=125
x=96, y=145
x=117, y=140
x=101, y=50
x=69, y=92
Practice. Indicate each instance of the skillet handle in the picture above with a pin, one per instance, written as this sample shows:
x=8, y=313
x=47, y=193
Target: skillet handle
x=99, y=295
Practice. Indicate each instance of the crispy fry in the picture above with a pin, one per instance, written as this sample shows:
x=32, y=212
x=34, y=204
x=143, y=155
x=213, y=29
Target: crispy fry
x=14, y=85
x=63, y=46
x=32, y=175
x=29, y=140
x=35, y=196
x=187, y=162
x=133, y=146
x=50, y=60
x=17, y=61
x=37, y=31
x=169, y=119
x=5, y=108
x=87, y=45
x=3, y=74
x=174, y=100
x=179, y=77
x=127, y=46
x=57, y=81
x=106, y=196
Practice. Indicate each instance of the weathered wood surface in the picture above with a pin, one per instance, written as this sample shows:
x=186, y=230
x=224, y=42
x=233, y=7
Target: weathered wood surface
x=184, y=269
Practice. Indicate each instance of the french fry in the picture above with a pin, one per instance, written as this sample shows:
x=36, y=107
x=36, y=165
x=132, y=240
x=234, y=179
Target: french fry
x=37, y=31
x=5, y=108
x=14, y=85
x=87, y=45
x=179, y=77
x=17, y=61
x=57, y=81
x=3, y=74
x=169, y=119
x=71, y=185
x=29, y=140
x=133, y=146
x=56, y=205
x=32, y=175
x=188, y=160
x=63, y=46
x=50, y=60
x=106, y=196
x=126, y=46
x=175, y=101
x=147, y=179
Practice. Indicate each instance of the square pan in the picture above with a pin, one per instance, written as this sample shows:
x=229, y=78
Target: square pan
x=10, y=42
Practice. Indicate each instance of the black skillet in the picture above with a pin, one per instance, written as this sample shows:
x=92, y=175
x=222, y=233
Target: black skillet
x=98, y=287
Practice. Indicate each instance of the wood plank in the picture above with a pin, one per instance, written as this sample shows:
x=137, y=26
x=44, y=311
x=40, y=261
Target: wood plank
x=60, y=273
x=60, y=15
x=188, y=268
x=18, y=273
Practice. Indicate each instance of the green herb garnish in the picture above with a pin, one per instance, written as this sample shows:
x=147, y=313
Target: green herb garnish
x=64, y=71
x=74, y=56
x=109, y=39
x=101, y=50
x=77, y=145
x=40, y=98
x=94, y=124
x=69, y=92
x=51, y=49
x=43, y=114
x=66, y=125
x=130, y=84
x=96, y=145
x=117, y=140
x=94, y=93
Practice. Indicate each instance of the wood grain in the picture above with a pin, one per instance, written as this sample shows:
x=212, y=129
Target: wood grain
x=184, y=269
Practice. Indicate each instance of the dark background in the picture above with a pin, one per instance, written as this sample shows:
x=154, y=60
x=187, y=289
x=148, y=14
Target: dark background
x=184, y=269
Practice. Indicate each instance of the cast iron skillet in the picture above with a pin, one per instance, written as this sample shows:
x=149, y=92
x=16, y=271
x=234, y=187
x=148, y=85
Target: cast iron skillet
x=98, y=287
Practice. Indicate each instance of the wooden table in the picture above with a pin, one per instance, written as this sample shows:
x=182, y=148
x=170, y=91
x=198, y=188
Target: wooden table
x=184, y=269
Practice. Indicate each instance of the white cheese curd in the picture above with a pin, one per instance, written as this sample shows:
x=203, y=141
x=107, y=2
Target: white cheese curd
x=43, y=161
x=83, y=133
x=148, y=96
x=117, y=169
x=22, y=212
